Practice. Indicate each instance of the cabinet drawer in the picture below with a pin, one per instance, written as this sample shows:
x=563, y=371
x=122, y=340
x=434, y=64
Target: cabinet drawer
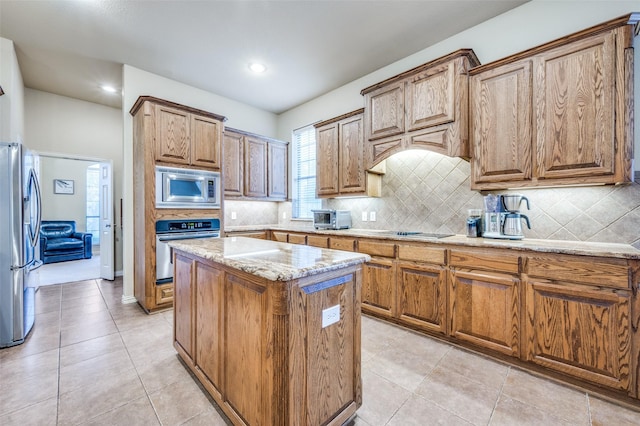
x=494, y=261
x=164, y=294
x=297, y=239
x=610, y=273
x=318, y=241
x=279, y=236
x=348, y=244
x=421, y=254
x=377, y=248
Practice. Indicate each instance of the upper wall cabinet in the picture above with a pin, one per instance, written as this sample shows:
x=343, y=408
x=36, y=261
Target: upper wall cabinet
x=254, y=167
x=184, y=137
x=340, y=167
x=557, y=114
x=426, y=107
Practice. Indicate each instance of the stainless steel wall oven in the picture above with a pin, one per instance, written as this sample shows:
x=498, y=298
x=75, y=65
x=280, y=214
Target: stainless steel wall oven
x=179, y=229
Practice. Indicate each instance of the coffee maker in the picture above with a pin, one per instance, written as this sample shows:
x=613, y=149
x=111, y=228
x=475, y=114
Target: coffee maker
x=502, y=217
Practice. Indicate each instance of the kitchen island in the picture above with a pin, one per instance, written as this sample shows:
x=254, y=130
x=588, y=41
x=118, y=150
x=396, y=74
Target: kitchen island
x=271, y=330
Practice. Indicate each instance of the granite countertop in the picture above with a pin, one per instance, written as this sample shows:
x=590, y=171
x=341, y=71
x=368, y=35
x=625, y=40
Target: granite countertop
x=585, y=248
x=272, y=260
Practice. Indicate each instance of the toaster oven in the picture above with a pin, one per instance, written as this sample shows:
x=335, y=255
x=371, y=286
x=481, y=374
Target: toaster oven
x=331, y=219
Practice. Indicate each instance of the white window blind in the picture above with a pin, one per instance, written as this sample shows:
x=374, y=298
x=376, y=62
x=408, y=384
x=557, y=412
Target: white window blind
x=304, y=173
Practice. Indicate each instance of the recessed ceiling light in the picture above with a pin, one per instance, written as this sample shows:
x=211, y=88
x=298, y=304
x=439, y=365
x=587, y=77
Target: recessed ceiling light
x=109, y=89
x=257, y=67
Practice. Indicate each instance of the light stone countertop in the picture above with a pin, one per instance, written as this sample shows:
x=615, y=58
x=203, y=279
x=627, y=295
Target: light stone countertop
x=272, y=260
x=583, y=248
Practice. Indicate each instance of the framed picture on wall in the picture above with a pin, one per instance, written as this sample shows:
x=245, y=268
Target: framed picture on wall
x=63, y=186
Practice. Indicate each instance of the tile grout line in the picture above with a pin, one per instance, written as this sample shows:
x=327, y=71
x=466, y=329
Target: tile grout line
x=126, y=347
x=500, y=394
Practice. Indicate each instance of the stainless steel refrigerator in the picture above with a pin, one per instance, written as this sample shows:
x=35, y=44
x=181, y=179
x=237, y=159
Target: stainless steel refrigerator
x=20, y=214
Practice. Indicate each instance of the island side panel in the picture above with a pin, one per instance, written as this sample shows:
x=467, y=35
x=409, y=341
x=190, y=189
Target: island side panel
x=209, y=317
x=326, y=385
x=244, y=327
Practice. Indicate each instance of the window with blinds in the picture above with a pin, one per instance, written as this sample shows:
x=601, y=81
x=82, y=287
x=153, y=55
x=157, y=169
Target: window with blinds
x=304, y=173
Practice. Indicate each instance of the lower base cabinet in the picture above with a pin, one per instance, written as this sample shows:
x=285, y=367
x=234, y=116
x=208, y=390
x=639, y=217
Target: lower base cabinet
x=580, y=331
x=421, y=293
x=378, y=287
x=485, y=310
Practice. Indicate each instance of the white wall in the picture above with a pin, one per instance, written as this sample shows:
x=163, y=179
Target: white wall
x=529, y=25
x=138, y=83
x=64, y=206
x=61, y=125
x=12, y=102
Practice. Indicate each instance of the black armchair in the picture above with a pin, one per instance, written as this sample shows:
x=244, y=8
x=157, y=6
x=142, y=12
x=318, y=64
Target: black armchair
x=60, y=242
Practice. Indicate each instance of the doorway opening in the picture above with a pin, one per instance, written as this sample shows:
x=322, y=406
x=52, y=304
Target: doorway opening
x=89, y=205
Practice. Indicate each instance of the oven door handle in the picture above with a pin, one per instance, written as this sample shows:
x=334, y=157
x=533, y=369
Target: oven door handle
x=187, y=236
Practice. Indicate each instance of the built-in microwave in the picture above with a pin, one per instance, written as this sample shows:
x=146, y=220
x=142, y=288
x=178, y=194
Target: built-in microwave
x=179, y=188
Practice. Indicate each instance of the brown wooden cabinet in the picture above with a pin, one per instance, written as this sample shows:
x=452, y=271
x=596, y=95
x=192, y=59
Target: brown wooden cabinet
x=233, y=148
x=422, y=296
x=340, y=168
x=379, y=278
x=556, y=114
x=165, y=133
x=581, y=331
x=578, y=318
x=186, y=138
x=485, y=310
x=255, y=167
x=426, y=108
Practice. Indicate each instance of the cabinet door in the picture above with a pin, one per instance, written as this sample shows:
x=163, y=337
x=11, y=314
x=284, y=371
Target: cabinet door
x=327, y=160
x=351, y=172
x=485, y=310
x=209, y=319
x=385, y=111
x=173, y=129
x=182, y=304
x=422, y=296
x=574, y=98
x=378, y=287
x=233, y=164
x=255, y=167
x=205, y=142
x=501, y=136
x=579, y=330
x=430, y=97
x=277, y=171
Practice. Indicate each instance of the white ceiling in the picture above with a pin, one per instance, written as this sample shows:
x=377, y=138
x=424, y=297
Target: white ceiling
x=310, y=47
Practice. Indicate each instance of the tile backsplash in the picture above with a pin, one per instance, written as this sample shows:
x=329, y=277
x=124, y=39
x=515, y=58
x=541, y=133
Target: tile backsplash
x=429, y=192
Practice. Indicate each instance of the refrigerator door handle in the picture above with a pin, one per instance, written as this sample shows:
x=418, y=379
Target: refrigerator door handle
x=35, y=187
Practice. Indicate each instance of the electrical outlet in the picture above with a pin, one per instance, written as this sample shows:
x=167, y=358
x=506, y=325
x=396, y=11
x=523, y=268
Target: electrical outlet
x=330, y=316
x=284, y=215
x=234, y=216
x=364, y=216
x=372, y=216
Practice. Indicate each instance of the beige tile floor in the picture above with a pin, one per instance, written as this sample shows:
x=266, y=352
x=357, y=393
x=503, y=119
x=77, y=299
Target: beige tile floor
x=91, y=360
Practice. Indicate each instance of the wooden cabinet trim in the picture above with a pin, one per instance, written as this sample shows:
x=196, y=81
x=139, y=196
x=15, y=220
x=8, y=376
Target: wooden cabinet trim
x=630, y=19
x=142, y=99
x=468, y=53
